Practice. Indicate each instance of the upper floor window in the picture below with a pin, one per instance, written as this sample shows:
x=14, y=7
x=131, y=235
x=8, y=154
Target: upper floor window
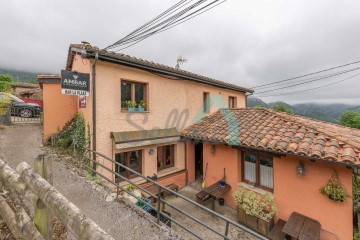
x=165, y=157
x=206, y=102
x=257, y=169
x=134, y=92
x=232, y=102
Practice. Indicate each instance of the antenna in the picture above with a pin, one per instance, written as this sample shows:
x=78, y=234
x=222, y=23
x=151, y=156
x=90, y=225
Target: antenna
x=180, y=60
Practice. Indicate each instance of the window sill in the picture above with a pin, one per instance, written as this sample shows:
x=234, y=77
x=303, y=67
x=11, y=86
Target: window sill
x=255, y=189
x=126, y=111
x=166, y=171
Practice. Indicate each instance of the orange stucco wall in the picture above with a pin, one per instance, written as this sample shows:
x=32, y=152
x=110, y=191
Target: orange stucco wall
x=224, y=157
x=301, y=194
x=58, y=108
x=291, y=192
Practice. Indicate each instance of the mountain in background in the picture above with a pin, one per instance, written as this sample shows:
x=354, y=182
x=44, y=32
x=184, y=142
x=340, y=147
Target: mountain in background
x=20, y=76
x=326, y=112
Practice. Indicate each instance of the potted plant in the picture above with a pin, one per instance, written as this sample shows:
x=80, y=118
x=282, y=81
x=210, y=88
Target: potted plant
x=267, y=214
x=130, y=106
x=252, y=207
x=238, y=196
x=141, y=106
x=222, y=181
x=134, y=191
x=334, y=190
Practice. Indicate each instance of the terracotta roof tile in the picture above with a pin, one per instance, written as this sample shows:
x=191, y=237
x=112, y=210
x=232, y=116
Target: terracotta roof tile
x=265, y=129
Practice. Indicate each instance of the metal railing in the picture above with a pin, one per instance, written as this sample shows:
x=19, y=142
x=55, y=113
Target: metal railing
x=228, y=222
x=25, y=114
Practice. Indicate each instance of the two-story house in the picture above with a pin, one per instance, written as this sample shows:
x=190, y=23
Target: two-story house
x=147, y=141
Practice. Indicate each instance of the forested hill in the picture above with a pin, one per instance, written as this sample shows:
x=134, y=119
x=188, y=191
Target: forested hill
x=326, y=112
x=20, y=76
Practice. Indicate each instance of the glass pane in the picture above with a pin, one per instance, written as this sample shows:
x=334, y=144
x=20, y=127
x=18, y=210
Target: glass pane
x=165, y=157
x=266, y=172
x=125, y=93
x=135, y=161
x=139, y=92
x=206, y=102
x=250, y=168
x=120, y=158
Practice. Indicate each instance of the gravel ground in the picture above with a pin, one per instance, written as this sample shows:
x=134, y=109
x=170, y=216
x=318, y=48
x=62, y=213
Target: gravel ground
x=20, y=143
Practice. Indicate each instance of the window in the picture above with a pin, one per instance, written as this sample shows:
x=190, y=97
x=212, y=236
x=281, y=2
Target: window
x=257, y=169
x=165, y=157
x=206, y=102
x=131, y=160
x=232, y=102
x=134, y=92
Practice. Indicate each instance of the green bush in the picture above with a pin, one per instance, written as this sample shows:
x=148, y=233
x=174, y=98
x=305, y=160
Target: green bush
x=5, y=78
x=5, y=86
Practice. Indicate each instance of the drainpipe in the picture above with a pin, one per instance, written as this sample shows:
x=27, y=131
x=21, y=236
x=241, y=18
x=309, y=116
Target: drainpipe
x=246, y=99
x=94, y=107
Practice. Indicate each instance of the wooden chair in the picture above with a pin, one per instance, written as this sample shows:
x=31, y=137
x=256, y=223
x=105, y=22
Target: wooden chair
x=277, y=233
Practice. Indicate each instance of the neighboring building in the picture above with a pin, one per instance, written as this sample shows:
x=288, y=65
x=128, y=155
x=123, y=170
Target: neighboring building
x=27, y=90
x=265, y=148
x=57, y=108
x=149, y=141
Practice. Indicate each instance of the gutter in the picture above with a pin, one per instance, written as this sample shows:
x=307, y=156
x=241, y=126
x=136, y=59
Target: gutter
x=152, y=69
x=246, y=99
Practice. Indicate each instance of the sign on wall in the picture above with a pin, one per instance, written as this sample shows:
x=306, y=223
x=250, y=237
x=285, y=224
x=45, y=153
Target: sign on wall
x=74, y=83
x=82, y=102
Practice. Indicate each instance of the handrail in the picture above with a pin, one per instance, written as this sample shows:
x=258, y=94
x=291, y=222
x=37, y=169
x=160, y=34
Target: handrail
x=161, y=200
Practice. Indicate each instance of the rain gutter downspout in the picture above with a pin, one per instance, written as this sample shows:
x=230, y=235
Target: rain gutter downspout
x=94, y=107
x=246, y=99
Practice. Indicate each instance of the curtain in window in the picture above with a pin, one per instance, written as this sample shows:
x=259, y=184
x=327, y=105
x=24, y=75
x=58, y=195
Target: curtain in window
x=266, y=176
x=250, y=171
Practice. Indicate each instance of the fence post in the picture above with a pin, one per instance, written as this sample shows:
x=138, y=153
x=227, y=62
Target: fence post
x=158, y=205
x=43, y=219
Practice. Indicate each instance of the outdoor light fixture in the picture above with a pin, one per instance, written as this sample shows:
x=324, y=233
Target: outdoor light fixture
x=212, y=149
x=300, y=169
x=151, y=151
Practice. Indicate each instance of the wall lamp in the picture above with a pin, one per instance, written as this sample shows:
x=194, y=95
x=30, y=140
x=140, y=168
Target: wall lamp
x=151, y=151
x=212, y=149
x=300, y=169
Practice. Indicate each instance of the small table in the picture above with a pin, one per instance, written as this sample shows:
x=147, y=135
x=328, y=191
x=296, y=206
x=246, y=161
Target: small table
x=301, y=227
x=216, y=191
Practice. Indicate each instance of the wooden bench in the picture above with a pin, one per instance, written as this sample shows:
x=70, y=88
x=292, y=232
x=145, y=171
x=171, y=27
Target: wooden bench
x=277, y=233
x=202, y=196
x=173, y=187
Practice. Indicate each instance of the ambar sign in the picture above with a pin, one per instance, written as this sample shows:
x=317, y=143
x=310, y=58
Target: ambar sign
x=74, y=83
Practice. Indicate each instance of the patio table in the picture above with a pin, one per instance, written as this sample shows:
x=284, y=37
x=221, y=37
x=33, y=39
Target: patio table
x=154, y=189
x=216, y=191
x=301, y=227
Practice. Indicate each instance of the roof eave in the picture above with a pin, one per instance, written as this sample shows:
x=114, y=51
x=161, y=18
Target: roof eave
x=158, y=70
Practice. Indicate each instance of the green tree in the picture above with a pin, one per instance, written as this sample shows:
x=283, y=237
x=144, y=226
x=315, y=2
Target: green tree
x=350, y=119
x=5, y=78
x=280, y=107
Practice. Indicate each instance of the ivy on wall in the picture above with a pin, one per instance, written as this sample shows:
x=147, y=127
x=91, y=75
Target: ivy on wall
x=72, y=136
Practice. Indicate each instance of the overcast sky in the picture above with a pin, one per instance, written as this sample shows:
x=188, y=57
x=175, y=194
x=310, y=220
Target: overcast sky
x=248, y=42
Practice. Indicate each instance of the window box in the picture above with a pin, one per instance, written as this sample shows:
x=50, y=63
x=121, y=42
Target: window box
x=134, y=92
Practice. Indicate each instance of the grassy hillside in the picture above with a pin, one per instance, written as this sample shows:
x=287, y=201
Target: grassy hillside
x=20, y=76
x=325, y=112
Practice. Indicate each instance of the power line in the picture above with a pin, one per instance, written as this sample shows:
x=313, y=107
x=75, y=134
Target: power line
x=310, y=89
x=310, y=81
x=169, y=23
x=309, y=74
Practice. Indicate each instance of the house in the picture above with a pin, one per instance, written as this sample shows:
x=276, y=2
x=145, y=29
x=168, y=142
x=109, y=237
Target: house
x=262, y=150
x=146, y=141
x=27, y=90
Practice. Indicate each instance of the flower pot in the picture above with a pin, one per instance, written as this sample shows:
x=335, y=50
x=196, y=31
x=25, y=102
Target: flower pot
x=222, y=183
x=241, y=216
x=264, y=227
x=140, y=109
x=221, y=201
x=252, y=221
x=131, y=109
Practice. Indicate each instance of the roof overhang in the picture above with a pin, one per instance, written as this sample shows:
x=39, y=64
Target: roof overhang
x=131, y=139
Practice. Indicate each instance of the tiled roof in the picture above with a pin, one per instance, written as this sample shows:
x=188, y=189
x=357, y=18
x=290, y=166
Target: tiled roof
x=112, y=56
x=283, y=133
x=48, y=76
x=25, y=85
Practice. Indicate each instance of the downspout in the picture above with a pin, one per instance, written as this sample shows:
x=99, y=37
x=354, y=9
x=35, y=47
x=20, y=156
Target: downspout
x=94, y=107
x=246, y=99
